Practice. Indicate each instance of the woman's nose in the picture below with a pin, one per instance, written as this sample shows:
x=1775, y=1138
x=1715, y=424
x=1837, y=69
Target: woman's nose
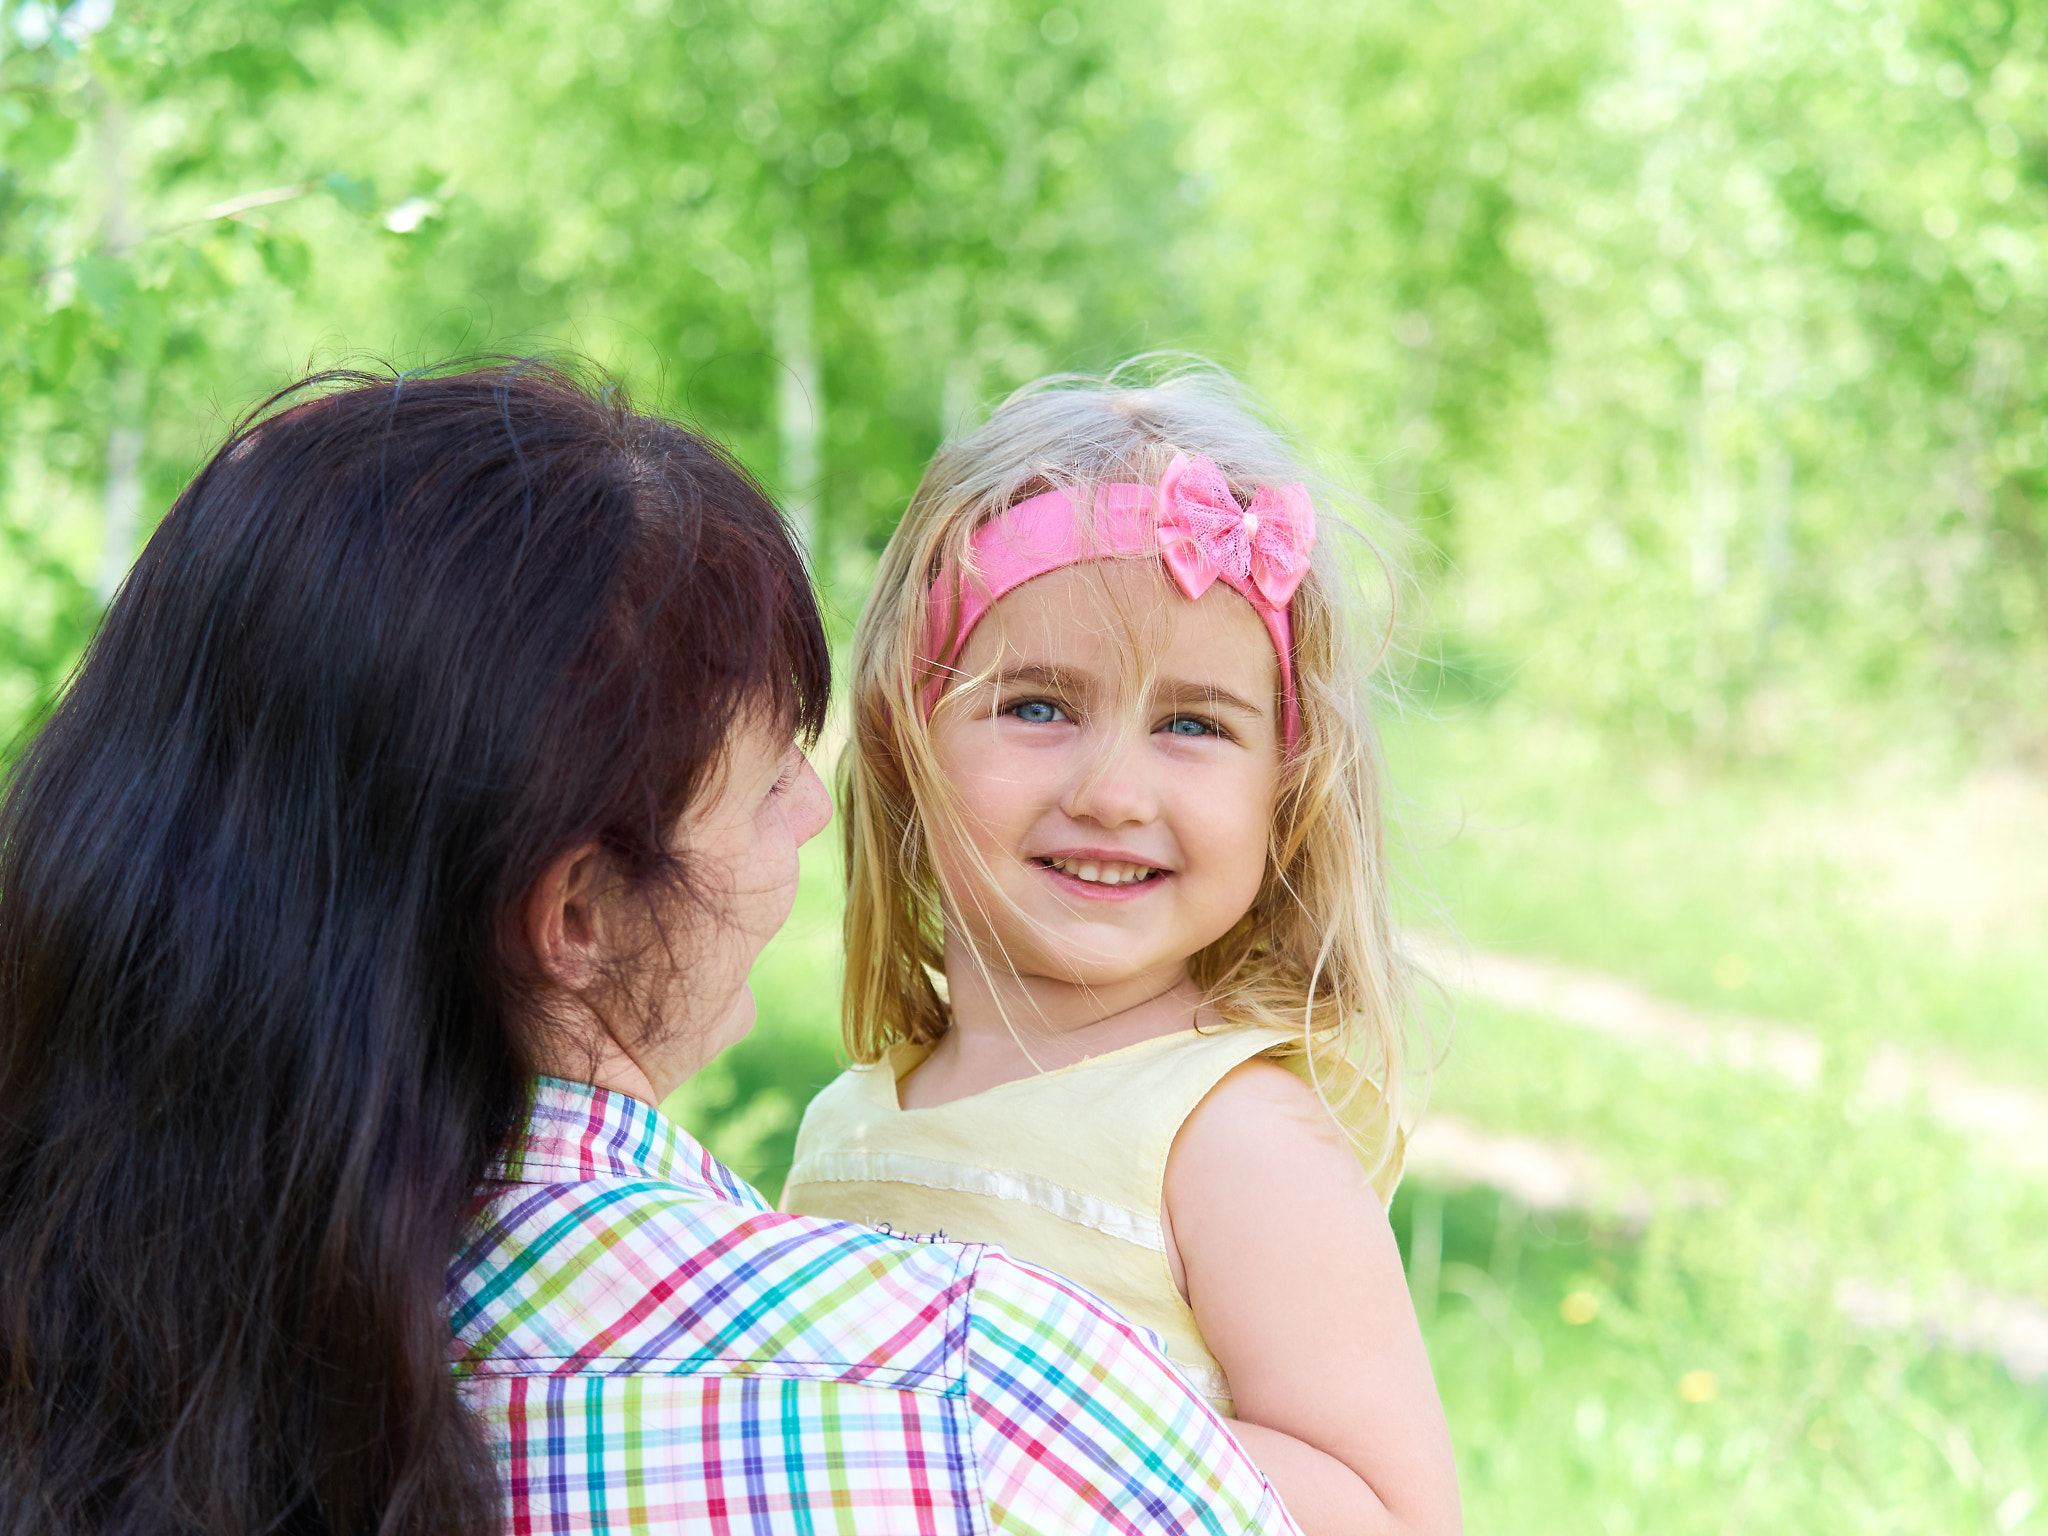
x=1113, y=788
x=814, y=803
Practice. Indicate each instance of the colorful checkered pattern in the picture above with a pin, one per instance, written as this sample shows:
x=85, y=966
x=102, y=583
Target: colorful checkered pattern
x=654, y=1349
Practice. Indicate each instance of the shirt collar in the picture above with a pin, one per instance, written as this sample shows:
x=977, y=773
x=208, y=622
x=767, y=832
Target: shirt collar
x=576, y=1132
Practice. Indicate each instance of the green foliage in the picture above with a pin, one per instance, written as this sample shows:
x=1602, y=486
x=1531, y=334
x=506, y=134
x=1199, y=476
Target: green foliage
x=52, y=615
x=968, y=198
x=139, y=275
x=1693, y=345
x=1694, y=338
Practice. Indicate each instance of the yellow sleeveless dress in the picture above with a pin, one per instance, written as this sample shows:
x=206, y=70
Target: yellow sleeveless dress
x=1065, y=1169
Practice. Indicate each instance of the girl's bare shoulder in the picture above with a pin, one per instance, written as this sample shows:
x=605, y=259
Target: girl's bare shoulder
x=1258, y=1125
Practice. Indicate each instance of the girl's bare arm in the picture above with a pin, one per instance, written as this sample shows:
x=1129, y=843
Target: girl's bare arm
x=1296, y=1281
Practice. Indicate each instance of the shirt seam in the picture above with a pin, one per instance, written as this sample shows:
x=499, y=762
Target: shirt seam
x=839, y=1372
x=700, y=1193
x=1061, y=1201
x=977, y=1426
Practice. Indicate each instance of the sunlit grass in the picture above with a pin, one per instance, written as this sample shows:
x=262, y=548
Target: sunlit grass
x=1594, y=1387
x=1806, y=897
x=1817, y=1179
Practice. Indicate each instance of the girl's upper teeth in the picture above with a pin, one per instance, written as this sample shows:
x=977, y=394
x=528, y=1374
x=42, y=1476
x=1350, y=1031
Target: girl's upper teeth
x=1102, y=872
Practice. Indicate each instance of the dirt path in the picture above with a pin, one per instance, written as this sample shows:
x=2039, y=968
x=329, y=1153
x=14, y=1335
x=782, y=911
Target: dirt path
x=2007, y=1123
x=1547, y=1177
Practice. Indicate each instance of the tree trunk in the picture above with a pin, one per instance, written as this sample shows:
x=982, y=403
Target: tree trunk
x=799, y=397
x=121, y=494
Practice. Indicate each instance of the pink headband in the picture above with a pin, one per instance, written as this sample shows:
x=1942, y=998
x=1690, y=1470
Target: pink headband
x=1192, y=523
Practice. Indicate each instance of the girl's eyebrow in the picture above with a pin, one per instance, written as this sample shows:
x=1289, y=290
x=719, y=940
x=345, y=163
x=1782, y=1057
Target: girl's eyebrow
x=1043, y=676
x=1178, y=691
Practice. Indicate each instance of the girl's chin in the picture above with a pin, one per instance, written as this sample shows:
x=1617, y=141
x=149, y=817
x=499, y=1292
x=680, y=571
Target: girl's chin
x=1099, y=965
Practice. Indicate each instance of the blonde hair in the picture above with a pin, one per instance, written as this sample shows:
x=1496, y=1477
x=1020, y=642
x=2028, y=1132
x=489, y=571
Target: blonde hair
x=1315, y=952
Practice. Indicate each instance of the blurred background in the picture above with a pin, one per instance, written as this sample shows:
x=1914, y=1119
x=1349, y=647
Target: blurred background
x=1696, y=350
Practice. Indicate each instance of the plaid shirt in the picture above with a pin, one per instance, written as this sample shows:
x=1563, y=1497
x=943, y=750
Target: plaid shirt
x=654, y=1349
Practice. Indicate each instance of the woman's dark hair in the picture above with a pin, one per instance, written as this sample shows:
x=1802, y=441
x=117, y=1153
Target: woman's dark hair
x=265, y=1011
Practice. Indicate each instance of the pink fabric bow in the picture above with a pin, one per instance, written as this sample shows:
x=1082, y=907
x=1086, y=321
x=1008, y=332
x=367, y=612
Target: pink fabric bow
x=1261, y=550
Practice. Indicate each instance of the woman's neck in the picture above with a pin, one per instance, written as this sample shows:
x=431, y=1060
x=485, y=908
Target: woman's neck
x=1007, y=1027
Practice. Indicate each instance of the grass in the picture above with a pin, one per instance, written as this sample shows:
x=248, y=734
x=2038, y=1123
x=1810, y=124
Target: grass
x=1692, y=1371
x=1599, y=1384
x=1811, y=898
x=1860, y=1191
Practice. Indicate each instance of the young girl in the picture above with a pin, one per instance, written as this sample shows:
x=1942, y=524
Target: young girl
x=1120, y=981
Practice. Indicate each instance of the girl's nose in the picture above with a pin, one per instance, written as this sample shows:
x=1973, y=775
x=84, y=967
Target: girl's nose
x=1113, y=788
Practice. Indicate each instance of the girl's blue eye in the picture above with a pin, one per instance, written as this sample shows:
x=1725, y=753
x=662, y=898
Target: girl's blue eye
x=1037, y=712
x=1187, y=725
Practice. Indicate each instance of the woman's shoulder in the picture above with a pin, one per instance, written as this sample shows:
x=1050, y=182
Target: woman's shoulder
x=646, y=1276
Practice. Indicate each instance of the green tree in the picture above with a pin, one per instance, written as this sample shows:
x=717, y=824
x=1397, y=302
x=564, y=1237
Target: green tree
x=828, y=231
x=1693, y=345
x=1692, y=340
x=141, y=268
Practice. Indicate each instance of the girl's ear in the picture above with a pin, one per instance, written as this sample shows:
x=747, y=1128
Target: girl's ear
x=562, y=925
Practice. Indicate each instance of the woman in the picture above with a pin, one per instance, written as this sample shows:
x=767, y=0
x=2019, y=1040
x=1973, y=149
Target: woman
x=404, y=837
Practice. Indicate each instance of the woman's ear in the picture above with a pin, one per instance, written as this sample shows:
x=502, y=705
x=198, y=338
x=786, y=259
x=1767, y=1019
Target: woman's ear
x=562, y=926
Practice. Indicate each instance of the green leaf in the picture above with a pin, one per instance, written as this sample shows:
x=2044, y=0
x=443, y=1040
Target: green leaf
x=43, y=140
x=286, y=257
x=55, y=346
x=142, y=336
x=107, y=284
x=353, y=193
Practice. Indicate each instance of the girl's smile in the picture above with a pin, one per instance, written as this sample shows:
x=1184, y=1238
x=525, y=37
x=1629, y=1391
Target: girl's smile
x=1113, y=754
x=1099, y=875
